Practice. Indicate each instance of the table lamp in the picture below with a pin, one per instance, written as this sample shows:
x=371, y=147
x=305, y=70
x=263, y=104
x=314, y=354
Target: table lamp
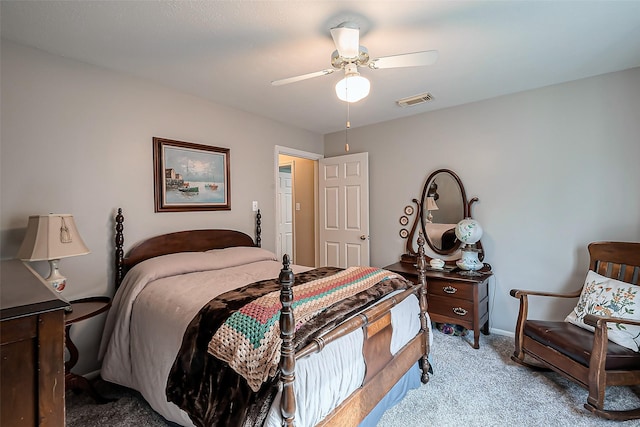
x=432, y=196
x=50, y=238
x=468, y=231
x=431, y=206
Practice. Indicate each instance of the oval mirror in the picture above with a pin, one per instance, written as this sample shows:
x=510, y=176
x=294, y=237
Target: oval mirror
x=443, y=205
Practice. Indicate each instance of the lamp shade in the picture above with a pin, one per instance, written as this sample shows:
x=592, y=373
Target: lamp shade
x=468, y=231
x=51, y=237
x=431, y=204
x=353, y=88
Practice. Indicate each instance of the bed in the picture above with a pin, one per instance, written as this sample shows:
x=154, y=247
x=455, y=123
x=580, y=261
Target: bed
x=166, y=335
x=442, y=236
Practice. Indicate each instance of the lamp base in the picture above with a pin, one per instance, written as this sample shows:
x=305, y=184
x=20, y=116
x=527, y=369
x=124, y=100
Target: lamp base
x=56, y=280
x=469, y=263
x=470, y=273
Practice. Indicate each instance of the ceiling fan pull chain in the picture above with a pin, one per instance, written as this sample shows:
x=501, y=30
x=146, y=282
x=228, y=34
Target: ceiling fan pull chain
x=346, y=131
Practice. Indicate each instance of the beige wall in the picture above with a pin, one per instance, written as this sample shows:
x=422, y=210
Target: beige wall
x=304, y=219
x=554, y=168
x=78, y=139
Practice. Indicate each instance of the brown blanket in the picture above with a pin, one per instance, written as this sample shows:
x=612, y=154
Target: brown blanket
x=210, y=391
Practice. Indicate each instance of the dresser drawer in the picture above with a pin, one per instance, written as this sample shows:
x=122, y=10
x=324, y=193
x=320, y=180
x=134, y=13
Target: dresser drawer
x=453, y=308
x=450, y=289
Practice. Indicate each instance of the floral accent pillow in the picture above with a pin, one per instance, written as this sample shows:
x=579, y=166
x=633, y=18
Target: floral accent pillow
x=609, y=297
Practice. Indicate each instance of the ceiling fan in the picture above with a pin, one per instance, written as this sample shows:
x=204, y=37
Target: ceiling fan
x=349, y=55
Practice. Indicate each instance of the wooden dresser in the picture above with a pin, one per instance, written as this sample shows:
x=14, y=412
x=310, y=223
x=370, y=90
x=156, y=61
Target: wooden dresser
x=31, y=351
x=454, y=298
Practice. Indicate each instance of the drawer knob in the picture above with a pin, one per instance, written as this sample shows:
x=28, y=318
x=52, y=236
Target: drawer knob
x=450, y=289
x=460, y=311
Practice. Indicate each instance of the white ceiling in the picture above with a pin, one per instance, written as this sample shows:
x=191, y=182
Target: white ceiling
x=230, y=51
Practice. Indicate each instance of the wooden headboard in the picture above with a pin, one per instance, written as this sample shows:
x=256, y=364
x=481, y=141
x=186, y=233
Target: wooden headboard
x=181, y=241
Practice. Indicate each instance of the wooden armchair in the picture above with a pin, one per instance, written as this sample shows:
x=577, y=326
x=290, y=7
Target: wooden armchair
x=587, y=358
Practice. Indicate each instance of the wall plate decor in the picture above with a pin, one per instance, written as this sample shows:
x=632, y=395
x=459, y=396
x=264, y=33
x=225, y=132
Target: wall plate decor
x=404, y=220
x=190, y=177
x=408, y=210
x=404, y=233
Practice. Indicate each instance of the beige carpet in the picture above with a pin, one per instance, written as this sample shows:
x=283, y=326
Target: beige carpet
x=469, y=388
x=485, y=388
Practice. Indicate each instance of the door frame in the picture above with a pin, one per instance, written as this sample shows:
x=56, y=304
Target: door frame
x=293, y=214
x=288, y=151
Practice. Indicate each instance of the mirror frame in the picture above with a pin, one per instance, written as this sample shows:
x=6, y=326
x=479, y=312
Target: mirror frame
x=410, y=254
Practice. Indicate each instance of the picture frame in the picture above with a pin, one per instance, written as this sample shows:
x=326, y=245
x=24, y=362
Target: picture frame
x=190, y=177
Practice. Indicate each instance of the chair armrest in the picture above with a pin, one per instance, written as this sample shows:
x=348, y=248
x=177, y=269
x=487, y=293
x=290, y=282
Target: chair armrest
x=598, y=359
x=596, y=321
x=517, y=293
x=523, y=312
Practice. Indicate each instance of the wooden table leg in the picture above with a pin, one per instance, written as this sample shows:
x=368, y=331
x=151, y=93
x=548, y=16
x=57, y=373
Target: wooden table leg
x=476, y=337
x=77, y=382
x=485, y=328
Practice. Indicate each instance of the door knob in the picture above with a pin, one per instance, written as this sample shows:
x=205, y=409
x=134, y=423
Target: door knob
x=363, y=237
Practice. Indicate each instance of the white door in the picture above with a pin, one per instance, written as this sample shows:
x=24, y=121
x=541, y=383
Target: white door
x=343, y=190
x=285, y=223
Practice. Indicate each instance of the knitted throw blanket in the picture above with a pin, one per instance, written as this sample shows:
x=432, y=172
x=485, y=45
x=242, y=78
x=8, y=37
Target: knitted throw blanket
x=249, y=340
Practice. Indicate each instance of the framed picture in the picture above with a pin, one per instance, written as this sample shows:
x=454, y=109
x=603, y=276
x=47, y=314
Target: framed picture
x=190, y=177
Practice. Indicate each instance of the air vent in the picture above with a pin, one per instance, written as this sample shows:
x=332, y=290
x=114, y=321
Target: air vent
x=415, y=100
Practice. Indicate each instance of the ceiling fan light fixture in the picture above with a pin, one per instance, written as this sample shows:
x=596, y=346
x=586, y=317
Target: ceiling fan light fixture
x=353, y=88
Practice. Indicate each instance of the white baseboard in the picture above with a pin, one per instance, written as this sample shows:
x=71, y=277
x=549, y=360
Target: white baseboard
x=502, y=332
x=92, y=375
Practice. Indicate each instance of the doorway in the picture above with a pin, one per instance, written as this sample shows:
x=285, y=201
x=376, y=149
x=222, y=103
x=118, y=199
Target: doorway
x=345, y=215
x=285, y=203
x=296, y=212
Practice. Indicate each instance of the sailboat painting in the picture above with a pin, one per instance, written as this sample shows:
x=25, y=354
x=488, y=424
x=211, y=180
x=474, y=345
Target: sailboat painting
x=190, y=177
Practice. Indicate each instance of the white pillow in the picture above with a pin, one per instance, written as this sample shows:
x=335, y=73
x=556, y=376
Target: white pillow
x=609, y=297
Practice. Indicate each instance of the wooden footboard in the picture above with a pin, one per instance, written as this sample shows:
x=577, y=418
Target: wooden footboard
x=382, y=369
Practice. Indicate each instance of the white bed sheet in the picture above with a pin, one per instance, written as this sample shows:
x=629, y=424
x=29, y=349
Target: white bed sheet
x=140, y=346
x=333, y=386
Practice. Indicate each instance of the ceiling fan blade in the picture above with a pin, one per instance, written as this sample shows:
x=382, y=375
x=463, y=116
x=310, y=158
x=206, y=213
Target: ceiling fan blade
x=346, y=36
x=302, y=77
x=416, y=59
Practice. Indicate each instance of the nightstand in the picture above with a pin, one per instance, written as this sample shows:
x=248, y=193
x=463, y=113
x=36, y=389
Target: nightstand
x=31, y=349
x=82, y=309
x=453, y=297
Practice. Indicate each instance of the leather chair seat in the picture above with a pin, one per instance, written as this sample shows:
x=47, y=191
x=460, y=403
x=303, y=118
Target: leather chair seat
x=577, y=343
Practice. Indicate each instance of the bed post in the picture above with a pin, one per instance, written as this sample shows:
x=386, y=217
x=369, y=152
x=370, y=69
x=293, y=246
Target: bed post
x=287, y=353
x=258, y=229
x=424, y=329
x=119, y=248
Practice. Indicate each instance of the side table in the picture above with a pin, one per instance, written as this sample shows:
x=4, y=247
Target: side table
x=31, y=349
x=453, y=297
x=82, y=309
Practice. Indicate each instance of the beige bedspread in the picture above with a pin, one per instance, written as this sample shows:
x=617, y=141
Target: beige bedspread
x=158, y=299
